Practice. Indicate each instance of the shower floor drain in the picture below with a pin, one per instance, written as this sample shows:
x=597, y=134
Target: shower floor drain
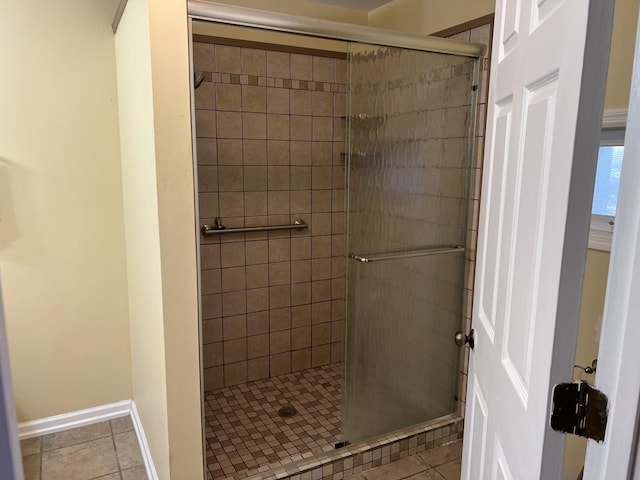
x=287, y=412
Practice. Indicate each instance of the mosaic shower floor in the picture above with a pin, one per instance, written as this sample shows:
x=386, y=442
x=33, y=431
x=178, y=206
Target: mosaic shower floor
x=245, y=435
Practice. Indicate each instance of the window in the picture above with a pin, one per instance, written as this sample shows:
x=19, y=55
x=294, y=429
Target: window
x=605, y=194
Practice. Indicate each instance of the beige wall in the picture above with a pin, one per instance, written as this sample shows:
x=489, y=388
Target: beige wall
x=62, y=255
x=157, y=177
x=621, y=59
x=420, y=17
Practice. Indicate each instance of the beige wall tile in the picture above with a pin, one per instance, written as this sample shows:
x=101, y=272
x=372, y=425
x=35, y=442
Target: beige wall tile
x=320, y=355
x=254, y=125
x=337, y=331
x=301, y=127
x=255, y=178
x=321, y=201
x=255, y=203
x=279, y=319
x=337, y=288
x=278, y=127
x=213, y=378
x=300, y=153
x=338, y=224
x=278, y=64
x=278, y=100
x=230, y=178
x=227, y=59
x=210, y=256
x=337, y=201
x=321, y=334
x=337, y=245
x=320, y=312
x=278, y=152
x=341, y=70
x=337, y=352
x=207, y=178
x=301, y=67
x=321, y=177
x=235, y=373
x=320, y=268
x=301, y=202
x=234, y=303
x=280, y=342
x=300, y=293
x=254, y=62
x=321, y=224
x=257, y=276
x=280, y=364
x=278, y=203
x=300, y=248
x=254, y=152
x=229, y=125
x=233, y=279
x=322, y=129
x=258, y=323
x=235, y=350
x=209, y=204
x=228, y=97
x=211, y=281
x=205, y=96
x=212, y=355
x=280, y=296
x=204, y=57
x=338, y=179
x=232, y=254
x=229, y=152
x=300, y=316
x=300, y=338
x=339, y=104
x=279, y=273
x=258, y=346
x=212, y=330
x=322, y=103
x=279, y=250
x=257, y=252
x=300, y=359
x=254, y=99
x=212, y=306
x=258, y=368
x=278, y=178
x=257, y=299
x=322, y=153
x=324, y=69
x=337, y=267
x=301, y=271
x=206, y=123
x=337, y=310
x=207, y=151
x=300, y=102
x=321, y=291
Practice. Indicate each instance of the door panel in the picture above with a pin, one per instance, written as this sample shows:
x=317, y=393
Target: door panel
x=540, y=164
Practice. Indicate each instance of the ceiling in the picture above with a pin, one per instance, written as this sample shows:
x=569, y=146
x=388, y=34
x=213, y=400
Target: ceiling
x=365, y=5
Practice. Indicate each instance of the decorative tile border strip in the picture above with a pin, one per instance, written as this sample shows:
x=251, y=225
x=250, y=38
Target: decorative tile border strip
x=238, y=79
x=345, y=462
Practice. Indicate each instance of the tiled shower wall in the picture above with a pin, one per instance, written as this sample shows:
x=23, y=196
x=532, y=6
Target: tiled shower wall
x=270, y=145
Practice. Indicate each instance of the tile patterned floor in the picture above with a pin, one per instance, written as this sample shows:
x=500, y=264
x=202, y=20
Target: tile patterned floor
x=441, y=463
x=245, y=435
x=105, y=451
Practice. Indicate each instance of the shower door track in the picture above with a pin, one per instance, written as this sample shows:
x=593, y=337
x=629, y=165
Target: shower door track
x=249, y=17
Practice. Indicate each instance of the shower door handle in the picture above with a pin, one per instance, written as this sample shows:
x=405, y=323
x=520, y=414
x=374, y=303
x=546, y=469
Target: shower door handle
x=463, y=340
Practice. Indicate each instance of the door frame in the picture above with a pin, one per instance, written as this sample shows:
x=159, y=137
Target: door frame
x=618, y=374
x=10, y=456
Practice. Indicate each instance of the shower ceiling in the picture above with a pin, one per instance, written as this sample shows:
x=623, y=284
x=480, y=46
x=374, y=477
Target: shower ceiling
x=366, y=5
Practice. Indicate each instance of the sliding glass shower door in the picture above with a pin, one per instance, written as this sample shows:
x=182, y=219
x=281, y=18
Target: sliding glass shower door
x=409, y=121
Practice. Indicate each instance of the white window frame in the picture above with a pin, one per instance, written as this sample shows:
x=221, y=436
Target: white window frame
x=601, y=231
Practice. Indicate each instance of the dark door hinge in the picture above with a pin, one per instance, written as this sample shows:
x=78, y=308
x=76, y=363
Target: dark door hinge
x=579, y=409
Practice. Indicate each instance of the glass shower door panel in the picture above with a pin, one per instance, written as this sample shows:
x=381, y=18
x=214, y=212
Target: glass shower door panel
x=409, y=119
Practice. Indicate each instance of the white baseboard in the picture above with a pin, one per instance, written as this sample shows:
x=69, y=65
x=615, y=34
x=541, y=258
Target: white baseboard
x=144, y=446
x=80, y=418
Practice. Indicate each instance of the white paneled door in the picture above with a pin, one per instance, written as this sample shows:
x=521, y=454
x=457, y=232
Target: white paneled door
x=545, y=107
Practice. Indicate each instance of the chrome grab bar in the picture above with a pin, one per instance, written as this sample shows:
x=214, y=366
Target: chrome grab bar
x=400, y=254
x=219, y=228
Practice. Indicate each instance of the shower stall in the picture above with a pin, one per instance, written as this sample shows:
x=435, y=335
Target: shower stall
x=334, y=205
